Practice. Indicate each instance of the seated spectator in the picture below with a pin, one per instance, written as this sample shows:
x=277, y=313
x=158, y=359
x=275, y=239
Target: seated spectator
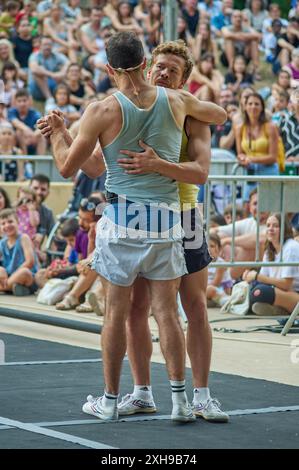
x=73, y=13
x=88, y=33
x=3, y=112
x=8, y=18
x=152, y=25
x=223, y=135
x=256, y=14
x=24, y=119
x=228, y=213
x=238, y=77
x=293, y=68
x=79, y=89
x=85, y=244
x=287, y=42
x=257, y=141
x=28, y=12
x=6, y=53
x=66, y=267
x=18, y=259
x=274, y=14
x=46, y=69
x=223, y=18
x=61, y=101
x=243, y=95
x=289, y=129
x=209, y=8
x=219, y=280
x=205, y=81
x=275, y=290
x=11, y=81
x=216, y=221
x=40, y=184
x=183, y=32
x=124, y=19
x=27, y=213
x=245, y=236
x=13, y=169
x=280, y=108
x=23, y=44
x=204, y=43
x=283, y=84
x=61, y=33
x=191, y=14
x=240, y=40
x=272, y=49
x=226, y=96
x=141, y=11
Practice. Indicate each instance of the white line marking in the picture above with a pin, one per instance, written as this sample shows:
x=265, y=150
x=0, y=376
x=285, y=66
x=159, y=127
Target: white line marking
x=38, y=363
x=55, y=434
x=140, y=418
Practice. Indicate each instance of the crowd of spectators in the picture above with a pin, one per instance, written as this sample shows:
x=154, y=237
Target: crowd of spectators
x=52, y=56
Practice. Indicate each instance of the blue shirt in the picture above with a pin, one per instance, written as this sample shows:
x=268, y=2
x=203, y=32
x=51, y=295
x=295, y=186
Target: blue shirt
x=29, y=120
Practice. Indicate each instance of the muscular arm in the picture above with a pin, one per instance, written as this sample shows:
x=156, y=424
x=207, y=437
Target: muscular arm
x=204, y=111
x=193, y=172
x=70, y=159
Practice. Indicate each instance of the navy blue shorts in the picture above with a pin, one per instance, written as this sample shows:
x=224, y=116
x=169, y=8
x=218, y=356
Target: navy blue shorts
x=197, y=257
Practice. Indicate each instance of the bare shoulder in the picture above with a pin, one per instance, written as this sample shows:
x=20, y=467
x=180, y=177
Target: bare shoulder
x=25, y=240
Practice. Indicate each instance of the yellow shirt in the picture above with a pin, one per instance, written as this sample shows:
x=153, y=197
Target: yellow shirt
x=255, y=147
x=187, y=192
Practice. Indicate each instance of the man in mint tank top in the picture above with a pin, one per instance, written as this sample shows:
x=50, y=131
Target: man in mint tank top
x=136, y=236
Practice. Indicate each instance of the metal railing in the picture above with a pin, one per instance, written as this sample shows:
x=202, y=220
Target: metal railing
x=275, y=194
x=41, y=164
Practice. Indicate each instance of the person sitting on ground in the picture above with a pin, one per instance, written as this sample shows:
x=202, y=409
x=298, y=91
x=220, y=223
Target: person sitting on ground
x=293, y=67
x=27, y=213
x=8, y=17
x=23, y=117
x=11, y=81
x=275, y=290
x=238, y=77
x=66, y=267
x=85, y=244
x=219, y=280
x=280, y=108
x=205, y=81
x=245, y=236
x=289, y=129
x=18, y=259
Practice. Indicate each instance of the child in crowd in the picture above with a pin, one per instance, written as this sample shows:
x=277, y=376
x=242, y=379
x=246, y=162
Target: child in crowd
x=61, y=101
x=228, y=213
x=27, y=213
x=280, y=108
x=219, y=280
x=66, y=267
x=18, y=259
x=13, y=169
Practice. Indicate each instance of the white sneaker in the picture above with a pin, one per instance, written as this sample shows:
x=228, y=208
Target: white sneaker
x=131, y=405
x=182, y=412
x=263, y=309
x=210, y=410
x=94, y=406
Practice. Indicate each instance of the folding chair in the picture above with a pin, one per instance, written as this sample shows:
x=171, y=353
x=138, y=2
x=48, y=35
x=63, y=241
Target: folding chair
x=290, y=321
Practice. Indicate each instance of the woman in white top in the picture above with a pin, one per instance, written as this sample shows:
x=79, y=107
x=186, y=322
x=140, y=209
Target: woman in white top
x=275, y=289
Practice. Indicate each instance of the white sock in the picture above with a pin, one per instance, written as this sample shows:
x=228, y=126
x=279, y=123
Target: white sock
x=143, y=392
x=109, y=400
x=201, y=394
x=178, y=392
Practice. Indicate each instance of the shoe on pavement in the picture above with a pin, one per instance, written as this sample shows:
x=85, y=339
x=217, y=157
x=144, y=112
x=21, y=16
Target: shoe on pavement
x=19, y=290
x=182, y=412
x=131, y=405
x=98, y=305
x=94, y=406
x=263, y=309
x=211, y=411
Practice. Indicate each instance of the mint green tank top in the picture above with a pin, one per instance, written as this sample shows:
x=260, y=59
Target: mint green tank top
x=157, y=127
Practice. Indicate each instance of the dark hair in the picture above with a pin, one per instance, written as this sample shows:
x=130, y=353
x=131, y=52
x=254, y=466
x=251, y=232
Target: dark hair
x=70, y=227
x=11, y=5
x=22, y=93
x=262, y=116
x=216, y=239
x=91, y=204
x=124, y=50
x=229, y=210
x=40, y=178
x=6, y=198
x=218, y=219
x=288, y=233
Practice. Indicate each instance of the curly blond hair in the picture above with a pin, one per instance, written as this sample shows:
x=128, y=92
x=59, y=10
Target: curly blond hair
x=177, y=48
